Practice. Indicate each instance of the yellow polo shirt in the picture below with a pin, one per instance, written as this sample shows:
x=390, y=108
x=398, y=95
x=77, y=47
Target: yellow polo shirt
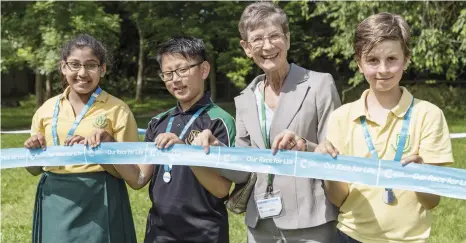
x=107, y=112
x=364, y=216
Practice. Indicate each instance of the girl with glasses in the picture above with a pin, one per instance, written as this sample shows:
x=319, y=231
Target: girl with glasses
x=81, y=203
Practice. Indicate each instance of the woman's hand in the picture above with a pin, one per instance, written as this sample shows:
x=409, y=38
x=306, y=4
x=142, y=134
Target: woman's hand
x=288, y=140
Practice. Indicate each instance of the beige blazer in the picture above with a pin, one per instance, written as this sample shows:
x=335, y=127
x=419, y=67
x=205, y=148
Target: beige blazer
x=306, y=100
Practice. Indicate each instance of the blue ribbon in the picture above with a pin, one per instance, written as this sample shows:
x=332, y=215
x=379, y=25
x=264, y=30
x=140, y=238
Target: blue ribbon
x=168, y=168
x=399, y=150
x=444, y=181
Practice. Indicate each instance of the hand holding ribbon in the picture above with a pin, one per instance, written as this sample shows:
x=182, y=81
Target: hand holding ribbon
x=288, y=140
x=93, y=141
x=35, y=142
x=326, y=147
x=412, y=159
x=99, y=135
x=75, y=139
x=427, y=200
x=337, y=191
x=206, y=139
x=166, y=140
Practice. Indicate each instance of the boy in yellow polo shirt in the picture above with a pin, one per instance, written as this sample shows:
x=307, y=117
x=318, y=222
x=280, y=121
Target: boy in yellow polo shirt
x=388, y=123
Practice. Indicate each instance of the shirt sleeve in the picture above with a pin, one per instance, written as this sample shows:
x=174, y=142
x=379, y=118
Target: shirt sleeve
x=126, y=129
x=37, y=125
x=224, y=130
x=334, y=135
x=150, y=135
x=435, y=144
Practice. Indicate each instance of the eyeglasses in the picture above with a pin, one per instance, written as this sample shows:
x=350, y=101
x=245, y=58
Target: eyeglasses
x=181, y=72
x=258, y=42
x=75, y=67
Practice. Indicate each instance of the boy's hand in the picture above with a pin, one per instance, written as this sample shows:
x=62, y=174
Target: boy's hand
x=326, y=147
x=206, y=139
x=428, y=201
x=166, y=140
x=412, y=159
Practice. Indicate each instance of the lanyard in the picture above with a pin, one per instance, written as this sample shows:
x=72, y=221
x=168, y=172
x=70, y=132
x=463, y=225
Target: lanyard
x=401, y=139
x=78, y=118
x=266, y=138
x=168, y=168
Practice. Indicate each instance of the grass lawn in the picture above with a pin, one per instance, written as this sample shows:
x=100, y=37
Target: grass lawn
x=18, y=188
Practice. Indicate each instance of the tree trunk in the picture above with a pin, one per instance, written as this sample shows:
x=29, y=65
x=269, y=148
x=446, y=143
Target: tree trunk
x=140, y=66
x=228, y=90
x=39, y=89
x=48, y=86
x=212, y=78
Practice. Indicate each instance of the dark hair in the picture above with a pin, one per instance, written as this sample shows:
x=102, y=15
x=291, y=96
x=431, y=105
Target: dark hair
x=380, y=27
x=81, y=41
x=188, y=47
x=85, y=40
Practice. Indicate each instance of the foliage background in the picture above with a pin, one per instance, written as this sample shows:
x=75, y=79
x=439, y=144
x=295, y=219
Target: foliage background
x=321, y=40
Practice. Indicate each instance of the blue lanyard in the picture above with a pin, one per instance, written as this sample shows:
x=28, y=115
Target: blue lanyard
x=400, y=147
x=402, y=138
x=168, y=168
x=78, y=118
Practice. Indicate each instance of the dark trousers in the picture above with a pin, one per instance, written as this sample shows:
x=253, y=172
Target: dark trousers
x=344, y=238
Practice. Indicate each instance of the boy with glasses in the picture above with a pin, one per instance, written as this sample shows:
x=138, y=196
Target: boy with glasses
x=188, y=203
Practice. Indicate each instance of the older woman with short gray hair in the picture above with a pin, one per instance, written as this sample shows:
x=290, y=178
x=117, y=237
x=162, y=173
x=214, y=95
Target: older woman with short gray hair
x=289, y=106
x=285, y=108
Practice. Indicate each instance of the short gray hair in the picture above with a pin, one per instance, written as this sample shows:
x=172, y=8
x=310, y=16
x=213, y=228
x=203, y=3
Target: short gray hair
x=258, y=13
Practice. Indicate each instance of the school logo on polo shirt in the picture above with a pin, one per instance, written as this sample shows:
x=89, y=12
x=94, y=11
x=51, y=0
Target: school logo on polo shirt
x=407, y=144
x=193, y=134
x=100, y=122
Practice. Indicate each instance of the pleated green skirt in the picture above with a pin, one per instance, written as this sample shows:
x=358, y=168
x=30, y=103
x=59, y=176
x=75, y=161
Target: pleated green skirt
x=85, y=207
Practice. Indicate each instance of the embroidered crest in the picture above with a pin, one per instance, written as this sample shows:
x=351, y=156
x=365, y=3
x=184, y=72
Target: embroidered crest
x=193, y=134
x=100, y=122
x=407, y=144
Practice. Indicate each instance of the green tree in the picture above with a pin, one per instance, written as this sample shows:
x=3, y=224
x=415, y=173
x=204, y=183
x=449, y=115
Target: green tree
x=217, y=24
x=35, y=31
x=438, y=31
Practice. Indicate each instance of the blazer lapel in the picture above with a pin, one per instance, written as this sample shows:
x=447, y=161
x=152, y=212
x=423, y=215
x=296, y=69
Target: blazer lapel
x=291, y=98
x=250, y=117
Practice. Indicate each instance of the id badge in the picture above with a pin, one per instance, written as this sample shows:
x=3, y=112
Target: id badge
x=269, y=205
x=389, y=196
